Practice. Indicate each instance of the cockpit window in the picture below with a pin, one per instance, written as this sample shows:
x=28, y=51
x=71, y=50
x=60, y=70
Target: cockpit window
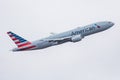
x=98, y=26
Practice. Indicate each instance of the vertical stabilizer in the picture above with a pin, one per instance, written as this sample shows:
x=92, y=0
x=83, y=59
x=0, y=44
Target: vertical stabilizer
x=19, y=41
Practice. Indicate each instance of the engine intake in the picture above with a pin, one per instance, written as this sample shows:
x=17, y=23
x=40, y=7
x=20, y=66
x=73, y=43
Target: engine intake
x=76, y=38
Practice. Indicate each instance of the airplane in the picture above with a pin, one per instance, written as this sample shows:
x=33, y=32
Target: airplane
x=74, y=35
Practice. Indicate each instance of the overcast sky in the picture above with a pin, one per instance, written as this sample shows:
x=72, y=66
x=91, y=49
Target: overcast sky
x=96, y=57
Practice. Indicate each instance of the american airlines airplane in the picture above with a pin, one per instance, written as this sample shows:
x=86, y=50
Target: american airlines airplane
x=74, y=35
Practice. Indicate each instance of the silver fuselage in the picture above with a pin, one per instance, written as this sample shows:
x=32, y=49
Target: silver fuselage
x=83, y=31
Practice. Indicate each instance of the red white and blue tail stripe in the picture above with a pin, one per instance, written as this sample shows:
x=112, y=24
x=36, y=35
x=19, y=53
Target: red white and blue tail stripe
x=21, y=43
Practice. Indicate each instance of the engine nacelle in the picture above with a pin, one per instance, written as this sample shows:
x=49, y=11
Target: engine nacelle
x=54, y=43
x=76, y=38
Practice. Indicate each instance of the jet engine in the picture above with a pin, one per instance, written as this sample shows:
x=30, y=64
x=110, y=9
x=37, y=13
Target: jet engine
x=76, y=38
x=54, y=43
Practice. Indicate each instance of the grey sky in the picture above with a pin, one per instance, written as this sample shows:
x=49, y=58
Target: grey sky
x=96, y=57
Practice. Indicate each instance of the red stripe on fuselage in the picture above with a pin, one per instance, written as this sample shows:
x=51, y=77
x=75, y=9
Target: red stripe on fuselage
x=27, y=48
x=28, y=43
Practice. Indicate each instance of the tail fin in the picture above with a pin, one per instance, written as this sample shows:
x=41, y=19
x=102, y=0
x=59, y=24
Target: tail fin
x=19, y=41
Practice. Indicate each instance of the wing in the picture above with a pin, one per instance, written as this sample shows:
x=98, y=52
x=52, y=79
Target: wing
x=74, y=38
x=60, y=40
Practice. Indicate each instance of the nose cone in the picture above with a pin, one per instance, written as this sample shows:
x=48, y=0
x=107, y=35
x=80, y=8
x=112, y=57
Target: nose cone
x=105, y=25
